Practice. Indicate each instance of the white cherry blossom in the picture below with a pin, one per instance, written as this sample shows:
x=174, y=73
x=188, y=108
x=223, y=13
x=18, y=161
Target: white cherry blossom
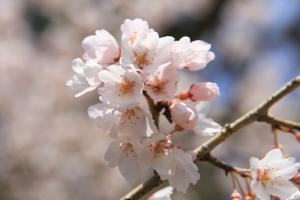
x=271, y=175
x=191, y=55
x=143, y=48
x=85, y=78
x=162, y=84
x=121, y=87
x=125, y=155
x=101, y=48
x=128, y=124
x=170, y=162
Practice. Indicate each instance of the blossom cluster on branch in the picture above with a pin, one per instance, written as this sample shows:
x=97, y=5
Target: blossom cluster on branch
x=133, y=80
x=137, y=85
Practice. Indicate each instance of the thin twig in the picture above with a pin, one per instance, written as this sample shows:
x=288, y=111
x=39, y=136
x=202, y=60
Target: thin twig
x=280, y=123
x=226, y=167
x=256, y=114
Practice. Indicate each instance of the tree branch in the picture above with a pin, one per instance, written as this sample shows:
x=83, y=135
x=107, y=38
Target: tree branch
x=257, y=114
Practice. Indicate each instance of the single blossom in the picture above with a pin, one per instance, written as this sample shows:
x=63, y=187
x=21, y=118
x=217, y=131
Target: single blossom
x=142, y=48
x=124, y=154
x=85, y=78
x=121, y=87
x=162, y=194
x=206, y=91
x=132, y=123
x=162, y=84
x=193, y=117
x=101, y=48
x=170, y=162
x=191, y=55
x=271, y=175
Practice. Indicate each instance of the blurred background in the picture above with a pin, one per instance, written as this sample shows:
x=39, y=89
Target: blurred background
x=50, y=149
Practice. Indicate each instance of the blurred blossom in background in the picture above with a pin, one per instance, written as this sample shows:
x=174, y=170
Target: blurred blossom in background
x=50, y=149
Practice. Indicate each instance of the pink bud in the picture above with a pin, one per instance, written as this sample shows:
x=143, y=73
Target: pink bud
x=297, y=135
x=235, y=195
x=183, y=115
x=204, y=91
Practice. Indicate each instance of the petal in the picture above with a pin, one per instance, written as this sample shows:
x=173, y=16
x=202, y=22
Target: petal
x=275, y=154
x=261, y=192
x=129, y=168
x=206, y=127
x=287, y=173
x=105, y=117
x=113, y=154
x=282, y=189
x=163, y=194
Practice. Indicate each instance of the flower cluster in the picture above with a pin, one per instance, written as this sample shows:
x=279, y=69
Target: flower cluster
x=135, y=82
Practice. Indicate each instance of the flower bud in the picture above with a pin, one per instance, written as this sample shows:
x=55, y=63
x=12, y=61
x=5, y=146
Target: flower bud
x=183, y=115
x=296, y=178
x=248, y=197
x=297, y=135
x=235, y=195
x=204, y=91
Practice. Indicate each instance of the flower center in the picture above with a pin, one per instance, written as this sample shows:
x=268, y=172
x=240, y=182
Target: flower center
x=132, y=37
x=158, y=148
x=129, y=115
x=263, y=176
x=126, y=86
x=127, y=148
x=141, y=59
x=157, y=85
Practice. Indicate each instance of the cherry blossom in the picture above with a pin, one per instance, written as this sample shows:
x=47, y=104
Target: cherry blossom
x=129, y=124
x=170, y=162
x=271, y=175
x=162, y=84
x=121, y=87
x=85, y=78
x=124, y=154
x=192, y=55
x=101, y=48
x=142, y=47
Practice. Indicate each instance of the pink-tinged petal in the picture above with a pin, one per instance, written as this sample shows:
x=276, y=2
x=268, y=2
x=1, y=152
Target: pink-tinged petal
x=206, y=91
x=101, y=48
x=162, y=84
x=282, y=188
x=191, y=55
x=261, y=192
